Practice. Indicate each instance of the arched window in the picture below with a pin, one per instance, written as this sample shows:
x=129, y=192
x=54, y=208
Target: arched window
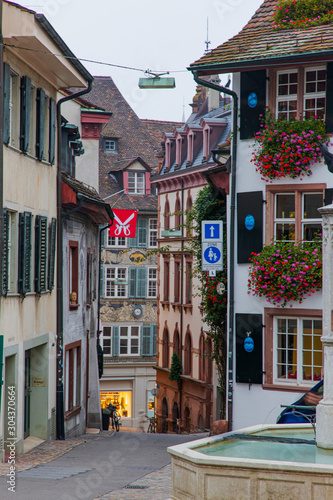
x=188, y=354
x=177, y=214
x=209, y=361
x=165, y=352
x=176, y=342
x=202, y=358
x=188, y=222
x=166, y=215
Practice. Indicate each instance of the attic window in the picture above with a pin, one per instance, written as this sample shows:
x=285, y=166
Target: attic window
x=110, y=145
x=136, y=182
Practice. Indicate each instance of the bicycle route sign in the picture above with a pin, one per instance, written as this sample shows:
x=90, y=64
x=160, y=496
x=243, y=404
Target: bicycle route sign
x=212, y=245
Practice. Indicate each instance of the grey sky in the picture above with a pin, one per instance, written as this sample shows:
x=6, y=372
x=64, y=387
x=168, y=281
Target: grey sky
x=146, y=34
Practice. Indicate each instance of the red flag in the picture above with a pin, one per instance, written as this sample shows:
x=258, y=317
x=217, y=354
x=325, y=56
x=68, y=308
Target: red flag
x=124, y=224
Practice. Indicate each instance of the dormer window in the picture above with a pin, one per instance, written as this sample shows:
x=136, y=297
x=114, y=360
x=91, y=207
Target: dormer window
x=136, y=182
x=110, y=145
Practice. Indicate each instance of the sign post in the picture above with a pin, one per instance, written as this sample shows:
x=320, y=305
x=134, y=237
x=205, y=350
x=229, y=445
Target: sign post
x=212, y=246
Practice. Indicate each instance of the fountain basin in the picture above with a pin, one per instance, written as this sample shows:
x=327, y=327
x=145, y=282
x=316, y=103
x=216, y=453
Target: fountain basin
x=266, y=462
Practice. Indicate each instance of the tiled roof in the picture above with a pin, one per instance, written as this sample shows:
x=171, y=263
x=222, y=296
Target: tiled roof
x=259, y=42
x=126, y=162
x=156, y=129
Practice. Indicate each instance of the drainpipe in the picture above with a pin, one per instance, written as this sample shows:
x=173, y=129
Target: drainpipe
x=99, y=281
x=231, y=278
x=181, y=305
x=60, y=307
x=1, y=174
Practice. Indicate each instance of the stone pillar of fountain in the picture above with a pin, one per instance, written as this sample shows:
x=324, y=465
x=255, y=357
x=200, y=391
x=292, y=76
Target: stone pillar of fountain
x=324, y=418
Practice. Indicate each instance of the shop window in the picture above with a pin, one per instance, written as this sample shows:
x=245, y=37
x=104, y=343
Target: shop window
x=116, y=282
x=121, y=400
x=188, y=354
x=152, y=233
x=165, y=347
x=295, y=216
x=73, y=274
x=152, y=282
x=72, y=376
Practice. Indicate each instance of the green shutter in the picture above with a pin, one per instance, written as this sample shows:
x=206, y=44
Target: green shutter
x=101, y=281
x=132, y=282
x=5, y=263
x=24, y=252
x=52, y=131
x=40, y=253
x=146, y=341
x=6, y=103
x=153, y=330
x=141, y=282
x=141, y=231
x=52, y=252
x=40, y=124
x=25, y=113
x=115, y=341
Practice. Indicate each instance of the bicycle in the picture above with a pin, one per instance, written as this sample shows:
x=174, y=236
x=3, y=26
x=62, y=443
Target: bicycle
x=152, y=424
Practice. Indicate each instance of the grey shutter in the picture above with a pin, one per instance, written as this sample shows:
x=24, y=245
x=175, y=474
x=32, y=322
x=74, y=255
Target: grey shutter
x=6, y=103
x=40, y=124
x=115, y=341
x=40, y=253
x=142, y=233
x=141, y=283
x=5, y=270
x=249, y=364
x=25, y=113
x=329, y=98
x=52, y=251
x=249, y=225
x=132, y=282
x=52, y=131
x=101, y=281
x=253, y=83
x=153, y=329
x=102, y=239
x=24, y=252
x=146, y=344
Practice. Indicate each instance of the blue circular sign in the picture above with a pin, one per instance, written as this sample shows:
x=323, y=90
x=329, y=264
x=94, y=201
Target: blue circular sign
x=212, y=255
x=252, y=100
x=248, y=344
x=249, y=222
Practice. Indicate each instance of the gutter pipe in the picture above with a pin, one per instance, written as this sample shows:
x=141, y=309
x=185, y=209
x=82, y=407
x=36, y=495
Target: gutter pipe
x=60, y=306
x=1, y=172
x=231, y=277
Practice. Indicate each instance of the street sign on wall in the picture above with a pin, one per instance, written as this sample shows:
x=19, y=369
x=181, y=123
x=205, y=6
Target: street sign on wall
x=212, y=245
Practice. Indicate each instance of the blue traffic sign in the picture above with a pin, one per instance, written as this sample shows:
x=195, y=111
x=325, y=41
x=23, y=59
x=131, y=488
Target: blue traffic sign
x=211, y=230
x=212, y=255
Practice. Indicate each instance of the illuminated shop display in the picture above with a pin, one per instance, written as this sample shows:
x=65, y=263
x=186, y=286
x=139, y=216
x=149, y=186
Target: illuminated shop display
x=122, y=400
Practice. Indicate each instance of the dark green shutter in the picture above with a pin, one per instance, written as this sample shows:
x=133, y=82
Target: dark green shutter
x=40, y=124
x=137, y=282
x=249, y=364
x=153, y=329
x=24, y=252
x=52, y=252
x=140, y=240
x=328, y=200
x=146, y=344
x=5, y=263
x=115, y=341
x=40, y=253
x=329, y=98
x=252, y=83
x=132, y=282
x=101, y=281
x=52, y=131
x=249, y=224
x=6, y=103
x=25, y=113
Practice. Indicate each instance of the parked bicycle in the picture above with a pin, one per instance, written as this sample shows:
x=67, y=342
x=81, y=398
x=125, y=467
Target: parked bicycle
x=152, y=424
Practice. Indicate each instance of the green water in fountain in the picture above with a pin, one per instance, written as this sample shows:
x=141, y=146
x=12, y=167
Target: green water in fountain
x=306, y=452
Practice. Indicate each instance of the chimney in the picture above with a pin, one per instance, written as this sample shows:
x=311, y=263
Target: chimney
x=214, y=95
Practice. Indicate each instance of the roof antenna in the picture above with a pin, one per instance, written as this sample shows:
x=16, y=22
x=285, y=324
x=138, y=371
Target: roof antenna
x=207, y=42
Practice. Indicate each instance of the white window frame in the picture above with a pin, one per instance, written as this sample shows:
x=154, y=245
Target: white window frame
x=136, y=187
x=288, y=97
x=298, y=380
x=116, y=275
x=129, y=336
x=110, y=142
x=151, y=282
x=314, y=95
x=116, y=241
x=106, y=337
x=152, y=233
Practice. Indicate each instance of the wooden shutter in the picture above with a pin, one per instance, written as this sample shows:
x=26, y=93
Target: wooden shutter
x=52, y=131
x=328, y=200
x=249, y=364
x=25, y=113
x=52, y=253
x=146, y=341
x=329, y=98
x=249, y=224
x=6, y=103
x=24, y=252
x=253, y=84
x=101, y=281
x=137, y=282
x=40, y=253
x=132, y=282
x=153, y=329
x=140, y=240
x=5, y=255
x=115, y=341
x=40, y=124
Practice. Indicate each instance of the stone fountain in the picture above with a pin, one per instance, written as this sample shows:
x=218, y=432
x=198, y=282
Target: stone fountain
x=268, y=462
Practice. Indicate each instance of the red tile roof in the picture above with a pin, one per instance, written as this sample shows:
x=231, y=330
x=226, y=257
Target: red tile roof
x=259, y=43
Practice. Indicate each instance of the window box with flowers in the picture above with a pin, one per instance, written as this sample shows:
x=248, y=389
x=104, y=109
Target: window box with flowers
x=287, y=148
x=284, y=272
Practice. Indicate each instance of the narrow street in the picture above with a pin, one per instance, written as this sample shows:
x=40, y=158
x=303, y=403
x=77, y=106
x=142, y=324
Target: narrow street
x=98, y=469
